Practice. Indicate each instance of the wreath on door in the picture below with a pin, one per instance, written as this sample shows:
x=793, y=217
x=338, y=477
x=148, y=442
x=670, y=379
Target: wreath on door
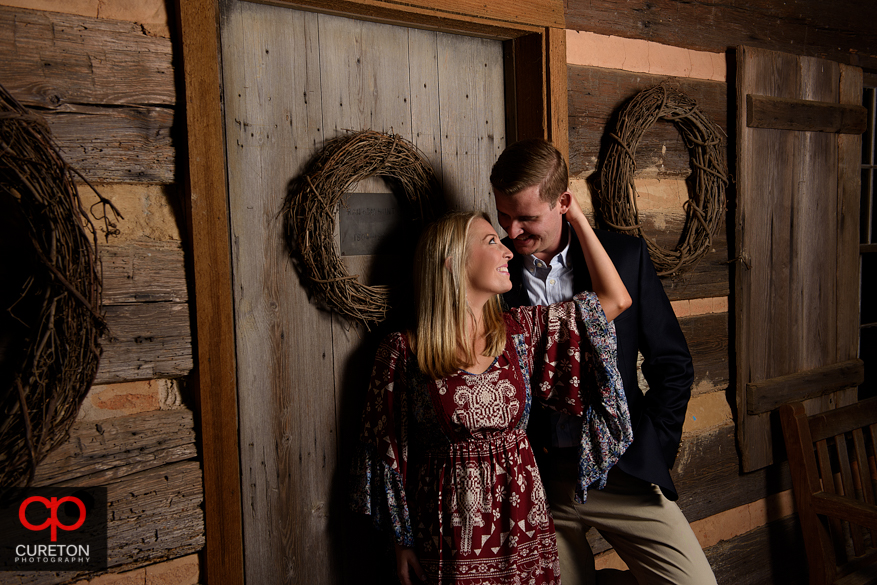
x=314, y=196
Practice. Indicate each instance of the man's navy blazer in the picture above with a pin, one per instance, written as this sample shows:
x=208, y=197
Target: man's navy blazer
x=651, y=327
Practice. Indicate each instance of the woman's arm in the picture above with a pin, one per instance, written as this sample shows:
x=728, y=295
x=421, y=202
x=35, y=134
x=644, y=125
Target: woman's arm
x=607, y=284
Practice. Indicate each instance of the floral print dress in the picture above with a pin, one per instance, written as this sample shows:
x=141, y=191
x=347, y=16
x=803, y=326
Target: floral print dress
x=445, y=465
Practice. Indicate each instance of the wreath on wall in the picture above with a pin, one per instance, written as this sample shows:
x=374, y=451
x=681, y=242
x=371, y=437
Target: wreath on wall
x=313, y=199
x=705, y=207
x=50, y=324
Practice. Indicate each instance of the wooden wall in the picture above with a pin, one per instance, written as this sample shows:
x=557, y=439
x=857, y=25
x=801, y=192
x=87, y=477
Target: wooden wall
x=107, y=90
x=744, y=520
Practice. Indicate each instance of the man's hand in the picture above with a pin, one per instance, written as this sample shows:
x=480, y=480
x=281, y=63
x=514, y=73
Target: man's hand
x=406, y=561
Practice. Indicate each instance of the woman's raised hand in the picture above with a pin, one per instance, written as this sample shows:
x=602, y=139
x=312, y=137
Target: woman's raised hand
x=605, y=280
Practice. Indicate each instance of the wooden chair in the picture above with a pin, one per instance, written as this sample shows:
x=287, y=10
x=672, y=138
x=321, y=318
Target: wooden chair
x=834, y=475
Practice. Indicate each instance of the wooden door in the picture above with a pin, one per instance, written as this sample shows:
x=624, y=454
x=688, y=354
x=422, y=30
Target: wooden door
x=293, y=80
x=799, y=121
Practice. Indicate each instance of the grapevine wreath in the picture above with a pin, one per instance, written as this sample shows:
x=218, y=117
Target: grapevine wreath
x=705, y=206
x=50, y=321
x=313, y=199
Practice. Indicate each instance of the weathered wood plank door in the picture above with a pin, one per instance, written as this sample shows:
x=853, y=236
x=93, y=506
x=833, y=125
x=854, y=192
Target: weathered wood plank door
x=796, y=289
x=291, y=81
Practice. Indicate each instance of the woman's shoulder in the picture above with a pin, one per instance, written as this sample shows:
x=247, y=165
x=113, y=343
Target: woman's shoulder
x=517, y=319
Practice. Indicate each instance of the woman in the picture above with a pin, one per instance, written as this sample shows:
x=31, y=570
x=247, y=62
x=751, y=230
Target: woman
x=444, y=462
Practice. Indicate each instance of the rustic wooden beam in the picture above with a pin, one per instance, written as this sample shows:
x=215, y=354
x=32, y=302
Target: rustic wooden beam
x=841, y=31
x=771, y=553
x=764, y=111
x=708, y=477
x=145, y=341
x=214, y=382
x=707, y=337
x=766, y=395
x=154, y=515
x=105, y=88
x=143, y=272
x=53, y=60
x=501, y=20
x=99, y=451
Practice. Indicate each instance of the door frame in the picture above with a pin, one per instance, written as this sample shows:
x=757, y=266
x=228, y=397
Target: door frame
x=534, y=47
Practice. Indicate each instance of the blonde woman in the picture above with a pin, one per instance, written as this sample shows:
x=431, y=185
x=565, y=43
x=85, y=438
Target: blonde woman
x=443, y=463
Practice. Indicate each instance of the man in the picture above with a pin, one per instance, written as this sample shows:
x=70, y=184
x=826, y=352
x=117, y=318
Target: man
x=635, y=512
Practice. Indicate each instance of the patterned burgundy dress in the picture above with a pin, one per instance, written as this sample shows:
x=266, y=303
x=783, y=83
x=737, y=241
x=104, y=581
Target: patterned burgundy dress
x=445, y=465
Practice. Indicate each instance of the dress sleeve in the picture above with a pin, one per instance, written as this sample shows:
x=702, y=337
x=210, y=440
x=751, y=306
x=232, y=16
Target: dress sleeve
x=575, y=372
x=380, y=459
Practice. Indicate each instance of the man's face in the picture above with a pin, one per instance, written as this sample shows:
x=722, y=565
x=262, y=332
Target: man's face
x=532, y=224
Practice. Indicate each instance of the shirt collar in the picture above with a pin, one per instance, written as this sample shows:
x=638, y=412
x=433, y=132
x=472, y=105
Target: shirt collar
x=530, y=260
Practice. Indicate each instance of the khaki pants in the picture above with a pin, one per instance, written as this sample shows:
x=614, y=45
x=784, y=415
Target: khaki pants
x=648, y=531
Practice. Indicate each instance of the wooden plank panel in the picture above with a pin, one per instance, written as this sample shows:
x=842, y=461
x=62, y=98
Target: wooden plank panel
x=849, y=153
x=786, y=238
x=424, y=79
x=145, y=341
x=285, y=385
x=469, y=107
x=840, y=30
x=54, y=60
x=805, y=115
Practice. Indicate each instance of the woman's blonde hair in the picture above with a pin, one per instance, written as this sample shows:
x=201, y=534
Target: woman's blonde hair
x=442, y=340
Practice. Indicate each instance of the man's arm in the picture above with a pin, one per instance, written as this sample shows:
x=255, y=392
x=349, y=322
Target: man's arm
x=667, y=364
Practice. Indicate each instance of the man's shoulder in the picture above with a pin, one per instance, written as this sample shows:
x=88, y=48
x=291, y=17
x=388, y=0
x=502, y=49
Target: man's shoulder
x=618, y=241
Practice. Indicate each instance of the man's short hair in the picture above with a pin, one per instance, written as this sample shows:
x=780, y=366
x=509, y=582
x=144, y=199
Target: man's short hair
x=531, y=162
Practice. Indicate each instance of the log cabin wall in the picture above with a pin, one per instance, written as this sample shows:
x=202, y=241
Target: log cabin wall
x=116, y=124
x=103, y=78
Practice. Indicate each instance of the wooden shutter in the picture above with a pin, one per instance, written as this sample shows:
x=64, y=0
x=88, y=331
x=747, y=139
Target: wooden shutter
x=799, y=121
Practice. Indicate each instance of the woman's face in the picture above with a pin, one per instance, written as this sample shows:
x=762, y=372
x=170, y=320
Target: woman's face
x=487, y=264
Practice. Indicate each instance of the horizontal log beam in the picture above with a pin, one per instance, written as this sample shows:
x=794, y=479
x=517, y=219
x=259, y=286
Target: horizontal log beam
x=771, y=553
x=145, y=341
x=501, y=19
x=804, y=115
x=97, y=452
x=707, y=337
x=143, y=272
x=51, y=60
x=154, y=515
x=767, y=395
x=597, y=94
x=841, y=30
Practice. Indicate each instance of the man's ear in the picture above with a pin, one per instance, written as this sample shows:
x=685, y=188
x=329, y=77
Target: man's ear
x=564, y=201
